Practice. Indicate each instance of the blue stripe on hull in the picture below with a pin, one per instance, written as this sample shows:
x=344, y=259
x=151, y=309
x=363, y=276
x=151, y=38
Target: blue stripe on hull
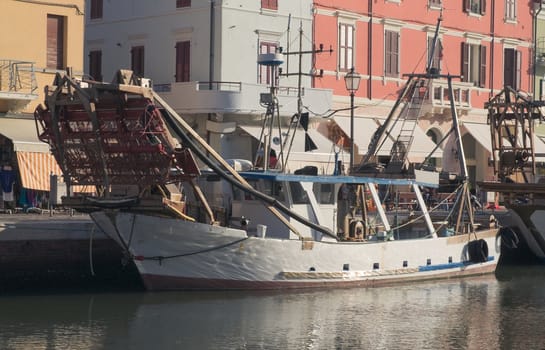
x=448, y=266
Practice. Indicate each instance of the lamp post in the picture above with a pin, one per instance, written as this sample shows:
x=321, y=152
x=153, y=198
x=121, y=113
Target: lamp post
x=352, y=82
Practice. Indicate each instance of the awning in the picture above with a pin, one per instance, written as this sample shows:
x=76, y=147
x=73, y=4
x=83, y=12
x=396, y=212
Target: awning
x=364, y=129
x=35, y=169
x=22, y=132
x=481, y=133
x=323, y=152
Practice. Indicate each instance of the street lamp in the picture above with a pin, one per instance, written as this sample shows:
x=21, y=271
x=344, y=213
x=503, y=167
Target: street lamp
x=352, y=82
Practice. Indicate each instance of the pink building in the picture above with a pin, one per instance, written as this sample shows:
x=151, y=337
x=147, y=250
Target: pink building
x=487, y=43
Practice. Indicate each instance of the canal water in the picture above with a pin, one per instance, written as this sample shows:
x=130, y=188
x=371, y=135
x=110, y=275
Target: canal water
x=504, y=312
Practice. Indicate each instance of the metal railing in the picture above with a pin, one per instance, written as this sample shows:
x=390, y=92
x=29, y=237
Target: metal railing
x=17, y=76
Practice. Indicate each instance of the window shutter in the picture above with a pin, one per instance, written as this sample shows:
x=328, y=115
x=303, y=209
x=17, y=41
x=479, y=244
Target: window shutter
x=467, y=5
x=482, y=73
x=465, y=62
x=395, y=51
x=483, y=7
x=182, y=61
x=388, y=54
x=518, y=64
x=508, y=67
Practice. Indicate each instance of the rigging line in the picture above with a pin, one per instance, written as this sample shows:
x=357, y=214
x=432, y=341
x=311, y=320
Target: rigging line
x=431, y=210
x=160, y=258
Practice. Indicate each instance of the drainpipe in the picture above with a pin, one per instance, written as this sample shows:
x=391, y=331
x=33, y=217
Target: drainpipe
x=534, y=59
x=211, y=60
x=492, y=44
x=369, y=51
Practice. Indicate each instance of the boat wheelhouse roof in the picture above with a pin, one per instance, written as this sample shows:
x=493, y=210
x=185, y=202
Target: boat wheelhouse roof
x=277, y=176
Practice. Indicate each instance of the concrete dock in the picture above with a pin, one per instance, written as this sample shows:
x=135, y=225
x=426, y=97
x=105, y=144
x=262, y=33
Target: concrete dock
x=60, y=251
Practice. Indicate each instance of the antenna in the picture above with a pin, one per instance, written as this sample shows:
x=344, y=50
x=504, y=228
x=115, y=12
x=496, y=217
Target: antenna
x=429, y=69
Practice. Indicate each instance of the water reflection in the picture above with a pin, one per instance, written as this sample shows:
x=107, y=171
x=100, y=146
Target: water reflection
x=457, y=314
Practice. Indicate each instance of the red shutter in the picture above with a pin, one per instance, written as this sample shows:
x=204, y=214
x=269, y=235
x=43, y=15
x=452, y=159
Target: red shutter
x=465, y=62
x=269, y=4
x=482, y=73
x=182, y=61
x=95, y=65
x=137, y=60
x=55, y=42
x=183, y=3
x=96, y=9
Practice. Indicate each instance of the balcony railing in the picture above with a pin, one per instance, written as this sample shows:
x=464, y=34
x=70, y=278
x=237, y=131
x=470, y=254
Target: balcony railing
x=17, y=77
x=18, y=85
x=238, y=97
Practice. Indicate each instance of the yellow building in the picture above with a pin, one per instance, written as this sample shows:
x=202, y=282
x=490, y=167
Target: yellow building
x=39, y=38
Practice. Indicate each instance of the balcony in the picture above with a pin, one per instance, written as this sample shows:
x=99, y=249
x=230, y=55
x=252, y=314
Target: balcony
x=440, y=95
x=238, y=98
x=17, y=85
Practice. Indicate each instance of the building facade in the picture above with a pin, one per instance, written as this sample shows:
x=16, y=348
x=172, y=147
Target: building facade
x=202, y=57
x=40, y=39
x=488, y=44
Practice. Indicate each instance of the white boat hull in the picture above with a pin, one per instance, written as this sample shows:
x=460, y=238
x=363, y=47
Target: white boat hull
x=176, y=254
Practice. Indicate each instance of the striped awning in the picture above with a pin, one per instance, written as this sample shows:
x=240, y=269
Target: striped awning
x=35, y=169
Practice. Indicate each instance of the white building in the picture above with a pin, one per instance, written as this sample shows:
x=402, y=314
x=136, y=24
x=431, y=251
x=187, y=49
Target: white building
x=202, y=57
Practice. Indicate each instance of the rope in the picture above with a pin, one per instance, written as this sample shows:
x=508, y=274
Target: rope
x=161, y=258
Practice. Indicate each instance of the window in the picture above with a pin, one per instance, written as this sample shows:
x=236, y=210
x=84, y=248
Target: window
x=96, y=9
x=475, y=6
x=182, y=61
x=55, y=42
x=511, y=68
x=266, y=72
x=391, y=53
x=346, y=46
x=269, y=4
x=474, y=64
x=435, y=3
x=183, y=3
x=510, y=10
x=137, y=60
x=95, y=65
x=437, y=53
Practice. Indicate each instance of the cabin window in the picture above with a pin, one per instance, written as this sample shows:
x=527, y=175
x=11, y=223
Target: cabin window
x=95, y=65
x=266, y=72
x=298, y=193
x=391, y=53
x=474, y=64
x=278, y=191
x=346, y=46
x=325, y=193
x=511, y=68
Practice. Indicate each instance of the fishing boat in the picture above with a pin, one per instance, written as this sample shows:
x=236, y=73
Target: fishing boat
x=512, y=116
x=271, y=229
